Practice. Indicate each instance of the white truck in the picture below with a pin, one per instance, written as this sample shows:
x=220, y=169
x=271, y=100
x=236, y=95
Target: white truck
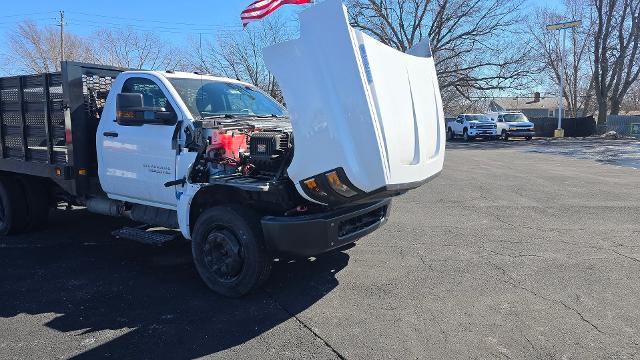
x=513, y=124
x=471, y=126
x=243, y=179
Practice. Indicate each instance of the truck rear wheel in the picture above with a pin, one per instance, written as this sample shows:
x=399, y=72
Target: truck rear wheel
x=13, y=209
x=229, y=251
x=37, y=197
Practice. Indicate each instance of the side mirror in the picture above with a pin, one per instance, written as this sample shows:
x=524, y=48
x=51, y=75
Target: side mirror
x=130, y=111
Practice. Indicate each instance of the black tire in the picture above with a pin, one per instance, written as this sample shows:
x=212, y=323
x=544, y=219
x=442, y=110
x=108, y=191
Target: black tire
x=529, y=138
x=13, y=208
x=505, y=136
x=229, y=251
x=465, y=135
x=37, y=196
x=450, y=135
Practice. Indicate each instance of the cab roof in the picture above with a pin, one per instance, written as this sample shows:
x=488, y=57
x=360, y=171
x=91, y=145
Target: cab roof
x=190, y=75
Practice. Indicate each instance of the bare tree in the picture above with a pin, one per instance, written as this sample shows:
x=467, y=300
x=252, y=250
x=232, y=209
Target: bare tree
x=128, y=48
x=616, y=52
x=577, y=70
x=36, y=49
x=472, y=40
x=631, y=101
x=238, y=55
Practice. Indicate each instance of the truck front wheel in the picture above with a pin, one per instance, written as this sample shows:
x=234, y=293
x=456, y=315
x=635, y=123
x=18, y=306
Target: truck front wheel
x=466, y=136
x=229, y=250
x=13, y=210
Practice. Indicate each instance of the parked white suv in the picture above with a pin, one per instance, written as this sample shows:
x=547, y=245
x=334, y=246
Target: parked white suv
x=513, y=124
x=471, y=126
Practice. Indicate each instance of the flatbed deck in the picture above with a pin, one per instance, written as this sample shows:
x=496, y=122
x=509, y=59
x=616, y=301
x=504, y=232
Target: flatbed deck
x=48, y=123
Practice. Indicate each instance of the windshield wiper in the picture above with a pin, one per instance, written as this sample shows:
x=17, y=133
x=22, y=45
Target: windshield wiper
x=272, y=116
x=221, y=116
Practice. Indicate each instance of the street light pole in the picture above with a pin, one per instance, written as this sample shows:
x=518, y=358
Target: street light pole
x=561, y=92
x=562, y=27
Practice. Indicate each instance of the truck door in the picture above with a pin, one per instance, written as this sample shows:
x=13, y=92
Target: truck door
x=500, y=124
x=459, y=125
x=138, y=160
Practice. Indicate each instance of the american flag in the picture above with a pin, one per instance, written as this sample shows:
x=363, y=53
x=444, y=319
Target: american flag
x=261, y=8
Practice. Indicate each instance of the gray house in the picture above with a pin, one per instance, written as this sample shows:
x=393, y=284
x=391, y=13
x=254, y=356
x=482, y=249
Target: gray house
x=532, y=107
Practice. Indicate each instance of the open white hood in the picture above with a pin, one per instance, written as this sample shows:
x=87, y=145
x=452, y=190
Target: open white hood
x=358, y=106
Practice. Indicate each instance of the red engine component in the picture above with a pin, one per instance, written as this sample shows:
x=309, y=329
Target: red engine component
x=228, y=144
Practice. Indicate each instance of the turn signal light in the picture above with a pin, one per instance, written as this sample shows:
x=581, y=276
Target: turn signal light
x=338, y=186
x=126, y=114
x=312, y=185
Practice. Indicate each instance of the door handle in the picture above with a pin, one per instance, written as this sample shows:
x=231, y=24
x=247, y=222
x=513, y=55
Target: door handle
x=110, y=134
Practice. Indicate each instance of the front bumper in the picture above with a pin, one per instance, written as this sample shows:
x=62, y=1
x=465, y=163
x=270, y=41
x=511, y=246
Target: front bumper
x=521, y=133
x=482, y=132
x=309, y=235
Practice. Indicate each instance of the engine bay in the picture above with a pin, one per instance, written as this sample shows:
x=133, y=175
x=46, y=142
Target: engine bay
x=252, y=148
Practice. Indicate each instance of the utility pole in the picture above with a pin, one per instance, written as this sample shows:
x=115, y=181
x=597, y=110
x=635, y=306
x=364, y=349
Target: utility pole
x=562, y=27
x=61, y=35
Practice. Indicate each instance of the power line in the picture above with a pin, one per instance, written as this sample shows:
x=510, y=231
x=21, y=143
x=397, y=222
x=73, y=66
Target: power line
x=29, y=14
x=74, y=23
x=153, y=21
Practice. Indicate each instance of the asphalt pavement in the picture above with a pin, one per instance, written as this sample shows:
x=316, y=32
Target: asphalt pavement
x=510, y=253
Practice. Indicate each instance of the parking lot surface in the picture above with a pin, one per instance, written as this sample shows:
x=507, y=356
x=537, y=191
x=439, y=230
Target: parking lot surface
x=510, y=253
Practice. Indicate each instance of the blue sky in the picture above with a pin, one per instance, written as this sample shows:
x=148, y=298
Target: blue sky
x=175, y=21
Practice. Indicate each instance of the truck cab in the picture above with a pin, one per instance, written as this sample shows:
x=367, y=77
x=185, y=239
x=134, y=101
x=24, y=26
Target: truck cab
x=513, y=124
x=471, y=126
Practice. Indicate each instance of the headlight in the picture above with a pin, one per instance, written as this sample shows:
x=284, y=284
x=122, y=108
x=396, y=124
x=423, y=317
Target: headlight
x=338, y=186
x=473, y=126
x=330, y=187
x=312, y=185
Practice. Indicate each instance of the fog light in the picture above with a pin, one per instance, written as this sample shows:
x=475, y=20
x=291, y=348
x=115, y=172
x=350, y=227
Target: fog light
x=338, y=186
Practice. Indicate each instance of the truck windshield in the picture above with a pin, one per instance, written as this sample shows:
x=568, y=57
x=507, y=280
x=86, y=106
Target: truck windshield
x=515, y=118
x=206, y=98
x=480, y=118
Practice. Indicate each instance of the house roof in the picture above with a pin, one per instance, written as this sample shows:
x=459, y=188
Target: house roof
x=524, y=103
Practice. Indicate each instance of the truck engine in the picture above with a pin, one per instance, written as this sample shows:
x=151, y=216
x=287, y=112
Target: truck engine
x=250, y=149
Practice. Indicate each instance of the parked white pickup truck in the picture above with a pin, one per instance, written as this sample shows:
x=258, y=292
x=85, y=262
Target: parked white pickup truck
x=241, y=177
x=471, y=126
x=513, y=124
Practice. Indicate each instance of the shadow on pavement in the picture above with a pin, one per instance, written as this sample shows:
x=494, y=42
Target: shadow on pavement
x=478, y=144
x=154, y=295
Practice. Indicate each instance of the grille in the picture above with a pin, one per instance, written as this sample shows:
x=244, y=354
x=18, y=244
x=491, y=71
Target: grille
x=361, y=222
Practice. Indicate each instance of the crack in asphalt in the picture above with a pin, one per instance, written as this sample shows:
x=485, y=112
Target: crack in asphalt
x=519, y=255
x=626, y=256
x=514, y=283
x=303, y=324
x=605, y=248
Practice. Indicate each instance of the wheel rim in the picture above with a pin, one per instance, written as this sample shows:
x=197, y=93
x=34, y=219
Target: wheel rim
x=223, y=255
